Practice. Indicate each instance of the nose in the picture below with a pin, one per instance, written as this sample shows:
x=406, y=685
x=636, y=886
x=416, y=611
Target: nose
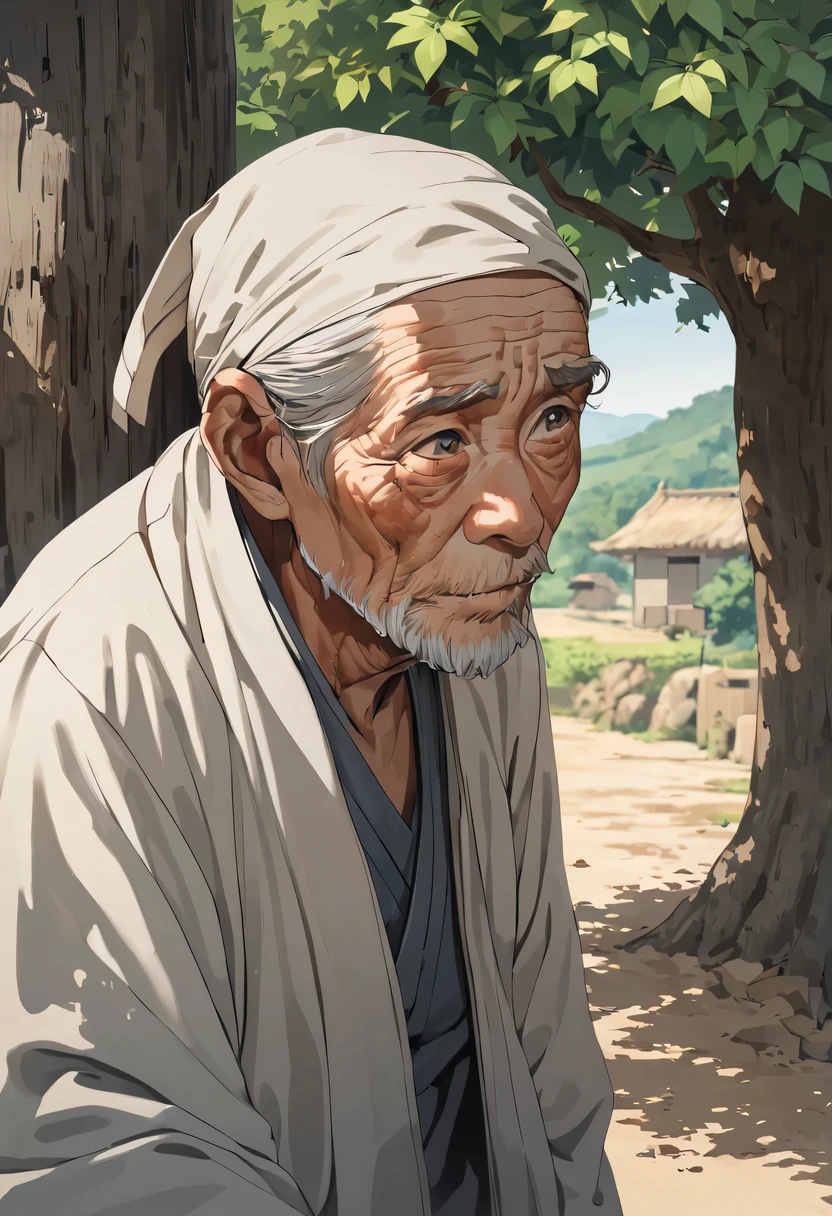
x=505, y=510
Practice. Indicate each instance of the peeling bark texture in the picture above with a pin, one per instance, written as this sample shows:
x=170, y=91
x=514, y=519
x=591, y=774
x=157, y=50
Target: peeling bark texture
x=116, y=123
x=768, y=898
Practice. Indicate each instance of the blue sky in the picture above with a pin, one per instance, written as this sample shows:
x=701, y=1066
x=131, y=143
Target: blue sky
x=655, y=370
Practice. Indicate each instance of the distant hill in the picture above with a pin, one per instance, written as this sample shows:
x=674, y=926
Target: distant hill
x=689, y=449
x=598, y=428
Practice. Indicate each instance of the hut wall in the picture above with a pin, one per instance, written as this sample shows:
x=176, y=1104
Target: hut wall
x=649, y=585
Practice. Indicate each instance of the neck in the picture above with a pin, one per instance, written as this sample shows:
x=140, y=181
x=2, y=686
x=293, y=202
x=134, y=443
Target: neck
x=361, y=666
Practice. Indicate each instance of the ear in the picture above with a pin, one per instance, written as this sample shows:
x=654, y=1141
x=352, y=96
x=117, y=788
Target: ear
x=242, y=436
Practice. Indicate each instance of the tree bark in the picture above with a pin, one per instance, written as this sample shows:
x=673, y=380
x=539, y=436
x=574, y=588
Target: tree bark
x=116, y=123
x=768, y=898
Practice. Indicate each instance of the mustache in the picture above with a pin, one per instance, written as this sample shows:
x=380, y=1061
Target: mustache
x=485, y=576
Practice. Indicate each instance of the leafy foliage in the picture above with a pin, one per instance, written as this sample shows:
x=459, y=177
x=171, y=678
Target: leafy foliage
x=634, y=103
x=689, y=449
x=571, y=661
x=729, y=599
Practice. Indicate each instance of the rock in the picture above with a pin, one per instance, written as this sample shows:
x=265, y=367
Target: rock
x=616, y=672
x=681, y=714
x=581, y=864
x=630, y=710
x=638, y=676
x=680, y=687
x=794, y=988
x=605, y=722
x=744, y=739
x=589, y=701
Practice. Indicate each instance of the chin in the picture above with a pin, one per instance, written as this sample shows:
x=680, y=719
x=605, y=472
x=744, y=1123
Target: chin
x=465, y=647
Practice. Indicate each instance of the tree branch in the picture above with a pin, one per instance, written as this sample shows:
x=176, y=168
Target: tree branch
x=678, y=256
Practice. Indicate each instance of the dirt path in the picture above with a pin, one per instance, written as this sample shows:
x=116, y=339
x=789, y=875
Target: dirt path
x=714, y=1111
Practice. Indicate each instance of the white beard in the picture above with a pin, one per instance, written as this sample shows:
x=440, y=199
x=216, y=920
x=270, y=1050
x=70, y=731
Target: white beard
x=404, y=625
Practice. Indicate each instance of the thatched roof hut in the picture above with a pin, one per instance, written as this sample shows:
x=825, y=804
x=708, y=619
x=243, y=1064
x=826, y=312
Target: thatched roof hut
x=594, y=590
x=677, y=540
x=675, y=521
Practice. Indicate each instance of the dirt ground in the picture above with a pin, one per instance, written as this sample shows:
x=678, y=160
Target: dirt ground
x=613, y=626
x=714, y=1112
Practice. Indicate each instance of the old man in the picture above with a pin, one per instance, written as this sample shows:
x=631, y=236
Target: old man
x=285, y=923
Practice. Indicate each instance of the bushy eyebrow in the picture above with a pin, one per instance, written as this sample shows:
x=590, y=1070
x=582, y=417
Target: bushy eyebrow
x=579, y=371
x=445, y=403
x=568, y=374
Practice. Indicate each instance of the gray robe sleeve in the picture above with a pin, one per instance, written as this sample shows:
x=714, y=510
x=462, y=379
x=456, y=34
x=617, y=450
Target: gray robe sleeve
x=549, y=994
x=122, y=1092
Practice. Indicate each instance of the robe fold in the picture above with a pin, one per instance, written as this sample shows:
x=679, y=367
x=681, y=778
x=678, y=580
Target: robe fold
x=200, y=1006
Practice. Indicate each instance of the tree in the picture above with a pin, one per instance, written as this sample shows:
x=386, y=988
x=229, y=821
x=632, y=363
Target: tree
x=684, y=136
x=116, y=122
x=729, y=599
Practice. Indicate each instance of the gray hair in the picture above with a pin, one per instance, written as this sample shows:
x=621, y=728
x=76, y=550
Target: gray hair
x=317, y=382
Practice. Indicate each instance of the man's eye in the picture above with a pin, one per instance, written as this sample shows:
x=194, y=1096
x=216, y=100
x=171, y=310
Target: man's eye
x=552, y=420
x=445, y=443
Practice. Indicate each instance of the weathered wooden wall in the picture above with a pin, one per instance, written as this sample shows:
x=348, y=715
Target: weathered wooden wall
x=116, y=122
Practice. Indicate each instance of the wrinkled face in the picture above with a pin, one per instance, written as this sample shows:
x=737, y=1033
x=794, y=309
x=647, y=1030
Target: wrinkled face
x=447, y=485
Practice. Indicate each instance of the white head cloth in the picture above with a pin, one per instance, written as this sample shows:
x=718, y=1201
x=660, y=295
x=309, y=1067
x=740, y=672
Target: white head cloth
x=330, y=226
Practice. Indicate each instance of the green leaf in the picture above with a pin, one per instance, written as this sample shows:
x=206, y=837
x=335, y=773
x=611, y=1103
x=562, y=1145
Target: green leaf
x=646, y=9
x=346, y=90
x=385, y=75
x=364, y=88
x=430, y=54
x=393, y=118
x=708, y=14
x=680, y=142
x=677, y=10
x=789, y=185
x=751, y=105
x=690, y=42
x=457, y=33
x=563, y=111
x=746, y=151
x=258, y=121
x=619, y=102
x=510, y=24
x=768, y=53
x=814, y=174
x=641, y=55
x=501, y=129
x=669, y=90
x=508, y=86
x=697, y=93
x=561, y=78
x=763, y=162
x=587, y=75
x=806, y=72
x=564, y=20
x=724, y=154
x=620, y=42
x=776, y=132
x=312, y=69
x=710, y=67
x=408, y=34
x=736, y=64
x=546, y=63
x=821, y=151
x=411, y=16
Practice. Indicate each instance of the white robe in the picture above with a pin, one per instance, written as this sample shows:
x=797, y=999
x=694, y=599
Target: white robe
x=200, y=1011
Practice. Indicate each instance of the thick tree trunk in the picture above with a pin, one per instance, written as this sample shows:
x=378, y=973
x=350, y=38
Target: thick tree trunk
x=768, y=898
x=116, y=122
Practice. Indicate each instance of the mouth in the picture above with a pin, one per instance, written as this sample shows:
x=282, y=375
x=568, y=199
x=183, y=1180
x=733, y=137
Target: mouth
x=502, y=589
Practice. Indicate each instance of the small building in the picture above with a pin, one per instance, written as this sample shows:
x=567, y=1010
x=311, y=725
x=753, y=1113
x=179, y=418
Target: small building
x=677, y=542
x=594, y=590
x=729, y=693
